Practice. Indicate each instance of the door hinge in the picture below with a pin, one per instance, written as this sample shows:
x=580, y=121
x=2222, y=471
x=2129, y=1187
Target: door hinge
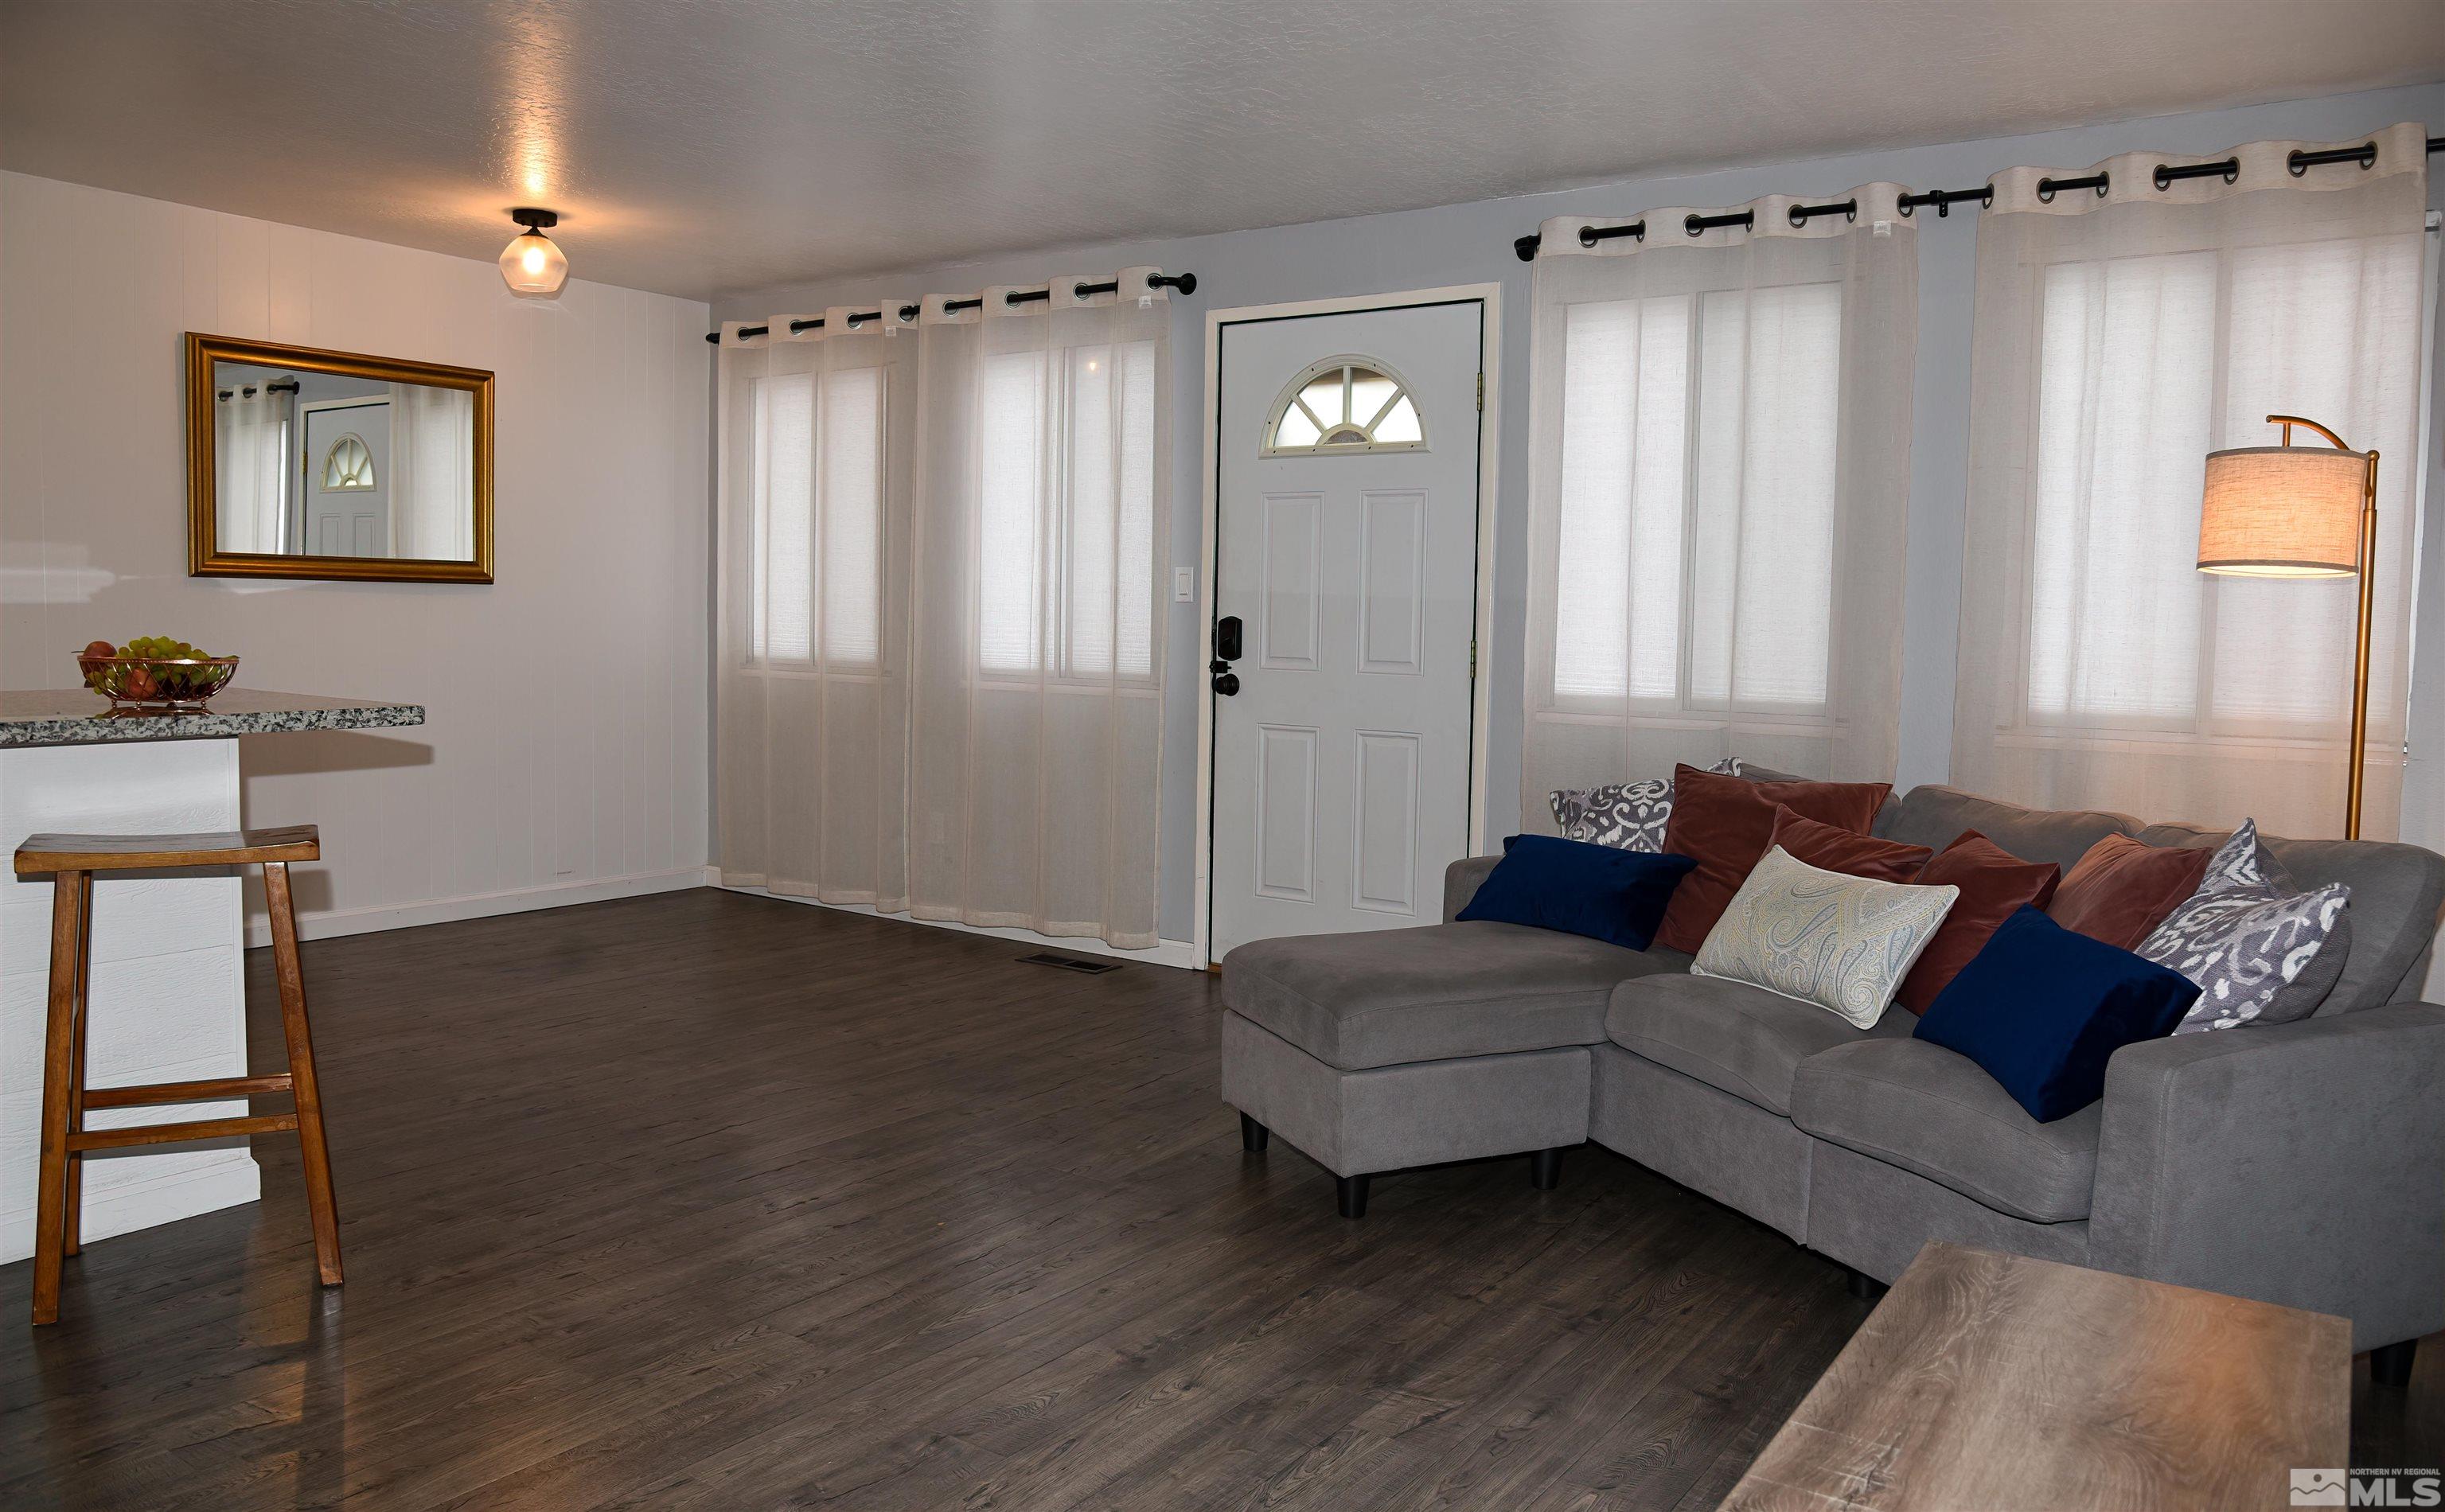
x=1481, y=393
x=1472, y=659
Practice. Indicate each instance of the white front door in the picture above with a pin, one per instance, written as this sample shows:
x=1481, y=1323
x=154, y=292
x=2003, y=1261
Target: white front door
x=1341, y=757
x=347, y=467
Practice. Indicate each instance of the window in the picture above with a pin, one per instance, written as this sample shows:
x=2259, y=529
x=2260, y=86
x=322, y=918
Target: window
x=2146, y=363
x=349, y=468
x=1695, y=521
x=1064, y=569
x=1344, y=404
x=819, y=487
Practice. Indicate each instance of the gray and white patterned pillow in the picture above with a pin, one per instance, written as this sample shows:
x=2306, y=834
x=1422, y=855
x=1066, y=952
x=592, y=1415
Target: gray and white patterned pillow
x=2259, y=951
x=1625, y=815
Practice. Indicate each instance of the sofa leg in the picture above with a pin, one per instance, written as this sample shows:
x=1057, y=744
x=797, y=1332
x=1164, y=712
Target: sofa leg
x=1864, y=1286
x=1545, y=1169
x=2391, y=1366
x=1349, y=1195
x=1253, y=1135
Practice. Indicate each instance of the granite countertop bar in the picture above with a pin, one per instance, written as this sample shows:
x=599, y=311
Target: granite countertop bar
x=77, y=717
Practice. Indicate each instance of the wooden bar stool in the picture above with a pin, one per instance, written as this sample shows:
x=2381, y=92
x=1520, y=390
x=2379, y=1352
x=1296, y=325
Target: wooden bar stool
x=72, y=860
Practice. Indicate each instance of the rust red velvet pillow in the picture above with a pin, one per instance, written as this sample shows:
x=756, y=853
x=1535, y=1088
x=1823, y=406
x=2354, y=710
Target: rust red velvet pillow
x=1725, y=824
x=1994, y=886
x=2122, y=889
x=1833, y=848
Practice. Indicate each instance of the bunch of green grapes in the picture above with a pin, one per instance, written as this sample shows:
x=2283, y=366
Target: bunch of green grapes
x=160, y=647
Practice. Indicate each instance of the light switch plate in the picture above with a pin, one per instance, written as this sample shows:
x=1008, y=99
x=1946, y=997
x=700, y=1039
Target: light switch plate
x=1183, y=585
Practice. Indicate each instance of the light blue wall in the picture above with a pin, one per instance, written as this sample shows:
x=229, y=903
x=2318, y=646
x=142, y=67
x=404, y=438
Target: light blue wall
x=1471, y=244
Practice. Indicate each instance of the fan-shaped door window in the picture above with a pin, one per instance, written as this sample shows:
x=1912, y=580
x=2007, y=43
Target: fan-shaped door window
x=1346, y=404
x=349, y=467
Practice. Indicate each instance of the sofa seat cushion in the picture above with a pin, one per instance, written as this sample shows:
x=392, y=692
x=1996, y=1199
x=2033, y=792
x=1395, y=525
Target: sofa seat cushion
x=1387, y=997
x=1731, y=1035
x=1921, y=1106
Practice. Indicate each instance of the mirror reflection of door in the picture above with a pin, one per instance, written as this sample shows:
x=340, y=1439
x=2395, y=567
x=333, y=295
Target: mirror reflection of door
x=347, y=473
x=342, y=465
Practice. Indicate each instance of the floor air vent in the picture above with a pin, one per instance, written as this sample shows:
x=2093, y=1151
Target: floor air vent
x=1077, y=963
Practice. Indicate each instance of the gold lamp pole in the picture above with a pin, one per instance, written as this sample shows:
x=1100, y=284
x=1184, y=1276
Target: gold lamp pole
x=2298, y=512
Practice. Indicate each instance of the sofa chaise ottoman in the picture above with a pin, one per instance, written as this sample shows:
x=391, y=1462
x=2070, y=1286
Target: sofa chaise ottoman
x=2302, y=1164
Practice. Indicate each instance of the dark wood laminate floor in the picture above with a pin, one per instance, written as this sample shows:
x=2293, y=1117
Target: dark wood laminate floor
x=707, y=1200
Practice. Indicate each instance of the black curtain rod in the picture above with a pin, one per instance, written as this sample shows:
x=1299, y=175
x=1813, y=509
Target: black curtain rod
x=1944, y=200
x=1185, y=282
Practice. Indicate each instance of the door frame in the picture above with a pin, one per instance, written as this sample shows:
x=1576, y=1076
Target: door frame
x=1489, y=431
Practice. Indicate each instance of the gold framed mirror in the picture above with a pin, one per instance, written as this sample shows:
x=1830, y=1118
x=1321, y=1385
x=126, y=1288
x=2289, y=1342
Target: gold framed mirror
x=306, y=463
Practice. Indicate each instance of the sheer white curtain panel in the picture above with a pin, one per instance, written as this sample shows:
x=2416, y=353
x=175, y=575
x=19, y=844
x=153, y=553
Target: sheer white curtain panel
x=1719, y=475
x=2119, y=336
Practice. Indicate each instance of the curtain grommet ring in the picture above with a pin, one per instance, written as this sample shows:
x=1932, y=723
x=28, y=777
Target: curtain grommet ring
x=2293, y=161
x=1798, y=219
x=2046, y=187
x=1587, y=235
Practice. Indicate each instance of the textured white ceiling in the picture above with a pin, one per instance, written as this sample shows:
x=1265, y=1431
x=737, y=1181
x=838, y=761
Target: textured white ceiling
x=714, y=147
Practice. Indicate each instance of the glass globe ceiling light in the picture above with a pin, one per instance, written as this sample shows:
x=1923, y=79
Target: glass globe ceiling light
x=532, y=265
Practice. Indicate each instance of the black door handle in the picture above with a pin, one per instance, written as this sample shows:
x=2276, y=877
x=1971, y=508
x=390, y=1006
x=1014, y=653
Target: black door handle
x=1226, y=651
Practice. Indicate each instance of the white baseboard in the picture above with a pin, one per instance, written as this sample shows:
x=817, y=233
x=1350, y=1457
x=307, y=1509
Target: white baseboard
x=146, y=1204
x=1180, y=953
x=328, y=923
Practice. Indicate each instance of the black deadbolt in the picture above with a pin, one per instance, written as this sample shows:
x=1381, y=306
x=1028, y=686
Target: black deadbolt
x=1227, y=638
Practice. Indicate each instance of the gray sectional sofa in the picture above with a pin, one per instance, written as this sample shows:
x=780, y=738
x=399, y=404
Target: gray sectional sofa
x=2300, y=1164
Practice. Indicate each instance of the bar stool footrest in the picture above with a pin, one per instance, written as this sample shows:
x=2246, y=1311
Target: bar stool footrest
x=212, y=1090
x=176, y=1133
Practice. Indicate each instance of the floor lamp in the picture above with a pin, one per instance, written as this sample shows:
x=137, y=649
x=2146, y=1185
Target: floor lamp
x=2300, y=512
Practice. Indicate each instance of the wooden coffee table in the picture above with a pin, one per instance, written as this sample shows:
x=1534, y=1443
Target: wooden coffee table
x=1992, y=1381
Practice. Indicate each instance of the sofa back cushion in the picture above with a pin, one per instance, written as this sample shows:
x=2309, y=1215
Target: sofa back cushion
x=1935, y=816
x=1725, y=824
x=2398, y=892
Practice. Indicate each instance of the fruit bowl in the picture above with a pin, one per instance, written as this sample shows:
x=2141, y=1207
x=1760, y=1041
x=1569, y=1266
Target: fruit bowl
x=151, y=674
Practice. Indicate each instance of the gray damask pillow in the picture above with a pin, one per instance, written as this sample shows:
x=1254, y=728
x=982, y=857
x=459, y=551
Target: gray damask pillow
x=2261, y=952
x=1625, y=815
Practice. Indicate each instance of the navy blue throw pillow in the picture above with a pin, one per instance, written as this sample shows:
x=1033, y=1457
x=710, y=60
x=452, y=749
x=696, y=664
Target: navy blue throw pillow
x=1600, y=891
x=2042, y=1009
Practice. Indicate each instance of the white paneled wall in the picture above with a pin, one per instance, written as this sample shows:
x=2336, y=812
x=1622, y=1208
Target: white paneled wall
x=564, y=754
